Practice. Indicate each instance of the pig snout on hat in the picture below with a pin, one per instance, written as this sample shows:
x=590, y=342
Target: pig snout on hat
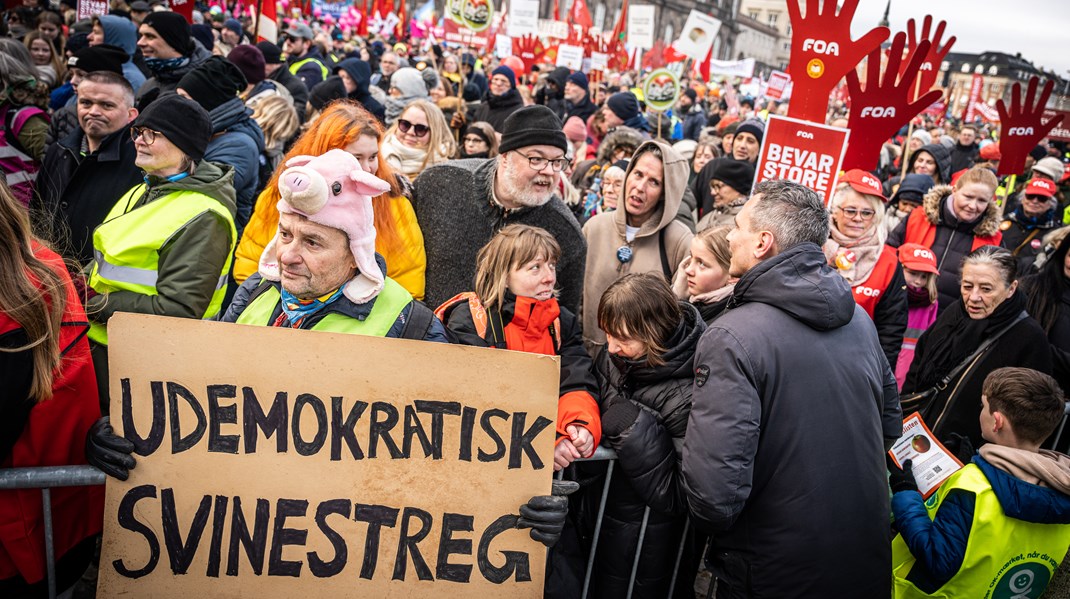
x=304, y=189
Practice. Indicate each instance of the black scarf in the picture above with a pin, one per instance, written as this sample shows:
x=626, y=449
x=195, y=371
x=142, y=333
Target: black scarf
x=954, y=336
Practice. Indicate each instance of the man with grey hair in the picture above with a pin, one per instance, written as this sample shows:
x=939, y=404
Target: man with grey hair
x=793, y=409
x=462, y=204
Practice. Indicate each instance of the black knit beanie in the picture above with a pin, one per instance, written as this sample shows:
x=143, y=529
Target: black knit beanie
x=173, y=29
x=99, y=58
x=755, y=127
x=624, y=105
x=181, y=120
x=737, y=174
x=213, y=82
x=272, y=53
x=532, y=126
x=327, y=91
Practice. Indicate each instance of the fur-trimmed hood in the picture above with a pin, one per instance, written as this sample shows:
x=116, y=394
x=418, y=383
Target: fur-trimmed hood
x=933, y=203
x=614, y=139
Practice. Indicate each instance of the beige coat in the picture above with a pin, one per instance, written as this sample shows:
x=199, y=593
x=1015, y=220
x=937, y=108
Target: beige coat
x=605, y=234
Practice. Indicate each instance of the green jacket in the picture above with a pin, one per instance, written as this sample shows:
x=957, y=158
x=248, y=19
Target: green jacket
x=192, y=259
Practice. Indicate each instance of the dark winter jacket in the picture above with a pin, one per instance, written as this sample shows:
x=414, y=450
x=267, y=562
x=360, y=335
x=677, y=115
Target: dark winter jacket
x=166, y=80
x=963, y=157
x=554, y=100
x=793, y=397
x=943, y=167
x=694, y=122
x=950, y=341
x=343, y=306
x=361, y=73
x=495, y=109
x=648, y=462
x=457, y=214
x=1024, y=236
x=583, y=109
x=310, y=73
x=890, y=316
x=295, y=86
x=237, y=141
x=77, y=191
x=954, y=239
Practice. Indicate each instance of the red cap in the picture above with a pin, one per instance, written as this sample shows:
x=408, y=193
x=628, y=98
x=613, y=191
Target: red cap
x=991, y=152
x=1040, y=187
x=918, y=257
x=863, y=182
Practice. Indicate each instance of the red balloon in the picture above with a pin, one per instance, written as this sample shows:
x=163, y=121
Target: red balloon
x=514, y=62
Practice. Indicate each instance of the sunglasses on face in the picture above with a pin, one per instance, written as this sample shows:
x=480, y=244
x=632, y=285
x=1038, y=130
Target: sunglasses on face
x=1037, y=198
x=417, y=130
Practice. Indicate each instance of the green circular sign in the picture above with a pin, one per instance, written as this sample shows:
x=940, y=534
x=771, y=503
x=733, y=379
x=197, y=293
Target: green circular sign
x=453, y=11
x=661, y=90
x=1024, y=581
x=477, y=14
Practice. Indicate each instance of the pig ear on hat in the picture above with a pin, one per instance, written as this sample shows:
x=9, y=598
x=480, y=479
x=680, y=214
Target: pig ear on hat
x=299, y=160
x=368, y=184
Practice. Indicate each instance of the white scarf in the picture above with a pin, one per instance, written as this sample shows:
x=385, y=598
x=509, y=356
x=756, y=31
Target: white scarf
x=408, y=161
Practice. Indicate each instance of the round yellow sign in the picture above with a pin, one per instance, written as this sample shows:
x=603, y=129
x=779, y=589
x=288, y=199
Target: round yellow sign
x=815, y=68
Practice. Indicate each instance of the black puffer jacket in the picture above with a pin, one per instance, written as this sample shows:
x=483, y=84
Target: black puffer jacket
x=647, y=471
x=953, y=241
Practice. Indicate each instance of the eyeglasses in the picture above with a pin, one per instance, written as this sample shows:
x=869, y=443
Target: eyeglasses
x=472, y=139
x=417, y=130
x=538, y=163
x=853, y=213
x=147, y=135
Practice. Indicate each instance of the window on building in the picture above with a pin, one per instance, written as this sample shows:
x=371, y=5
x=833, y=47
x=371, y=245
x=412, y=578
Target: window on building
x=789, y=30
x=979, y=69
x=753, y=14
x=772, y=19
x=965, y=67
x=992, y=70
x=945, y=66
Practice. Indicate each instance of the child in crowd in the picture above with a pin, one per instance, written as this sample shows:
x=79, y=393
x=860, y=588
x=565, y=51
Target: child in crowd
x=703, y=277
x=1000, y=526
x=514, y=306
x=920, y=272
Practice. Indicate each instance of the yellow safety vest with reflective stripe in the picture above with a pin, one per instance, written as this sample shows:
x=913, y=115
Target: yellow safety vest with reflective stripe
x=1005, y=557
x=297, y=66
x=126, y=247
x=385, y=311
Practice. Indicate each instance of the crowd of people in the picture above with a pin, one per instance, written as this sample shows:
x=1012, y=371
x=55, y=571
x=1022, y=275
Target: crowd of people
x=747, y=351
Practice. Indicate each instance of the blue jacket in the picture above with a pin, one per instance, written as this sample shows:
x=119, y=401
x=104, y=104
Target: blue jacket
x=939, y=545
x=123, y=33
x=238, y=141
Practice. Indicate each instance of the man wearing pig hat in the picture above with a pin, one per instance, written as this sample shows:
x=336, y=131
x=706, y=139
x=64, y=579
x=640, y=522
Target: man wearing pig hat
x=320, y=271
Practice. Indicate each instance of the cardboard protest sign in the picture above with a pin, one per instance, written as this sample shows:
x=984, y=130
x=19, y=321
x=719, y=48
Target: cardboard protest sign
x=822, y=52
x=698, y=34
x=778, y=83
x=462, y=34
x=570, y=56
x=184, y=8
x=284, y=463
x=641, y=26
x=87, y=9
x=1023, y=126
x=806, y=153
x=523, y=17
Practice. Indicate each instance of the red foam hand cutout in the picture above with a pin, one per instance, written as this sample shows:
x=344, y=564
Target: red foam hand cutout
x=930, y=67
x=1021, y=128
x=529, y=48
x=822, y=52
x=884, y=106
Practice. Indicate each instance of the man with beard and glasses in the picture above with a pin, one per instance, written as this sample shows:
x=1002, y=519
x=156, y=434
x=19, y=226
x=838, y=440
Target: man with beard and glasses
x=461, y=205
x=83, y=174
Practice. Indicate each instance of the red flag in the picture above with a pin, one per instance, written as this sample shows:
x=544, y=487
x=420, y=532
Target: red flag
x=580, y=15
x=617, y=38
x=268, y=29
x=401, y=30
x=362, y=27
x=704, y=68
x=557, y=11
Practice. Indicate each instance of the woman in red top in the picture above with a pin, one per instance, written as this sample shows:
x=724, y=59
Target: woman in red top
x=48, y=401
x=514, y=306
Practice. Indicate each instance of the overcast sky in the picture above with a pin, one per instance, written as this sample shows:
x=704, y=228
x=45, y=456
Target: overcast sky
x=1039, y=29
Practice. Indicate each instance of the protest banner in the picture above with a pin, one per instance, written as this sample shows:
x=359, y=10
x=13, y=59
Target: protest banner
x=87, y=9
x=335, y=8
x=732, y=68
x=457, y=33
x=641, y=26
x=1061, y=132
x=806, y=153
x=698, y=34
x=503, y=46
x=553, y=29
x=523, y=18
x=275, y=462
x=778, y=84
x=570, y=56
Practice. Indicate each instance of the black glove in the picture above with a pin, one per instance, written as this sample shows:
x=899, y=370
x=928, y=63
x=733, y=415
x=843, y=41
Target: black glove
x=901, y=479
x=960, y=446
x=618, y=417
x=545, y=514
x=108, y=451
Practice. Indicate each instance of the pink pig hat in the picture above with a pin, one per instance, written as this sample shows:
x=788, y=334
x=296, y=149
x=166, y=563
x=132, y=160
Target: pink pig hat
x=333, y=191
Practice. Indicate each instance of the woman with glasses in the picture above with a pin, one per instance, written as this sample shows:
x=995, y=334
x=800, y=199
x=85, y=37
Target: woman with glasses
x=952, y=222
x=165, y=248
x=857, y=250
x=419, y=138
x=478, y=141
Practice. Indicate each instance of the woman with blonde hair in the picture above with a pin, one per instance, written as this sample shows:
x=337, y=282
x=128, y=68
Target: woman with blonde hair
x=419, y=138
x=703, y=278
x=48, y=402
x=348, y=126
x=50, y=66
x=278, y=120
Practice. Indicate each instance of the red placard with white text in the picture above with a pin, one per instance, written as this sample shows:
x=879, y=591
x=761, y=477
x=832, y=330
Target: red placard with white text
x=778, y=83
x=806, y=153
x=184, y=8
x=87, y=9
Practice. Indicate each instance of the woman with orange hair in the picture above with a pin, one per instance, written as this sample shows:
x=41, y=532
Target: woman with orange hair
x=347, y=126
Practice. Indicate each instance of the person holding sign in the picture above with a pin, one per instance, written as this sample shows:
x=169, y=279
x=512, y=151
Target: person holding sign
x=1000, y=526
x=48, y=401
x=514, y=306
x=856, y=249
x=165, y=248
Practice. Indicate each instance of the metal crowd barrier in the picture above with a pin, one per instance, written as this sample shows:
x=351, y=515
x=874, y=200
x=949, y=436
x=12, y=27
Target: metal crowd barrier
x=45, y=478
